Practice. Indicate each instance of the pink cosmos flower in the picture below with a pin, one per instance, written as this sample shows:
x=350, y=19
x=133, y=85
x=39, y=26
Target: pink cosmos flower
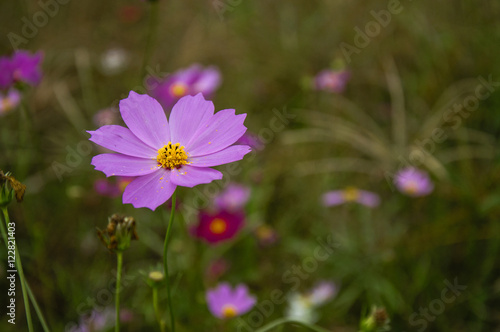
x=233, y=198
x=413, y=182
x=26, y=67
x=322, y=292
x=189, y=81
x=224, y=302
x=331, y=80
x=9, y=101
x=351, y=194
x=162, y=154
x=219, y=226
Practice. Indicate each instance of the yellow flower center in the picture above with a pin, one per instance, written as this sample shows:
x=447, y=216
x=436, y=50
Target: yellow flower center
x=229, y=311
x=6, y=104
x=122, y=184
x=351, y=194
x=172, y=156
x=178, y=89
x=264, y=232
x=218, y=226
x=411, y=187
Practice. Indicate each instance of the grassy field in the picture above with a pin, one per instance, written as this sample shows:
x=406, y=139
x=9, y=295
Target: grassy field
x=422, y=92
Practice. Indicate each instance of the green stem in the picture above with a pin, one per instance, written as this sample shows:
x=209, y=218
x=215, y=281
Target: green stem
x=151, y=36
x=283, y=321
x=157, y=310
x=119, y=258
x=37, y=309
x=165, y=263
x=28, y=288
x=19, y=268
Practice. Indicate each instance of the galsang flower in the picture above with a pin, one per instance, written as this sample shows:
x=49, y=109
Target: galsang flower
x=21, y=67
x=351, y=194
x=219, y=226
x=189, y=81
x=224, y=302
x=165, y=154
x=413, y=182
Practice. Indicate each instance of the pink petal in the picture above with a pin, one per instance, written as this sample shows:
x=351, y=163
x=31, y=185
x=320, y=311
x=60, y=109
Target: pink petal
x=146, y=119
x=187, y=115
x=332, y=198
x=150, y=191
x=120, y=139
x=240, y=292
x=188, y=176
x=208, y=82
x=228, y=155
x=246, y=304
x=118, y=164
x=368, y=198
x=222, y=130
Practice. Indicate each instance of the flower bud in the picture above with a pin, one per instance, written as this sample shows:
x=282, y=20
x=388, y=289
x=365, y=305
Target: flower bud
x=10, y=187
x=378, y=320
x=119, y=232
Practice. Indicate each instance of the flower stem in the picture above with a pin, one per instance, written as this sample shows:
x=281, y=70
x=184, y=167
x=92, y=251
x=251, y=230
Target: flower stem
x=19, y=268
x=165, y=263
x=37, y=309
x=157, y=310
x=283, y=321
x=151, y=36
x=119, y=260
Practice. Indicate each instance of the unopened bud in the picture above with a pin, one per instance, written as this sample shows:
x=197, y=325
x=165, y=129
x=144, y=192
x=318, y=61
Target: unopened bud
x=10, y=187
x=378, y=320
x=119, y=232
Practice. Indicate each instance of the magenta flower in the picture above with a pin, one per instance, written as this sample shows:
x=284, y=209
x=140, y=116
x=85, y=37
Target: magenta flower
x=224, y=302
x=219, y=226
x=331, y=80
x=190, y=81
x=9, y=101
x=351, y=194
x=162, y=154
x=233, y=198
x=413, y=182
x=26, y=67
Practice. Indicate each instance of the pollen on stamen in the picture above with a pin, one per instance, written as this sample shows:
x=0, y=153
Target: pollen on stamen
x=172, y=156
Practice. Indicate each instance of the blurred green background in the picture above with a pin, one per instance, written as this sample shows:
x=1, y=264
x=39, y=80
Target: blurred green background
x=398, y=255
